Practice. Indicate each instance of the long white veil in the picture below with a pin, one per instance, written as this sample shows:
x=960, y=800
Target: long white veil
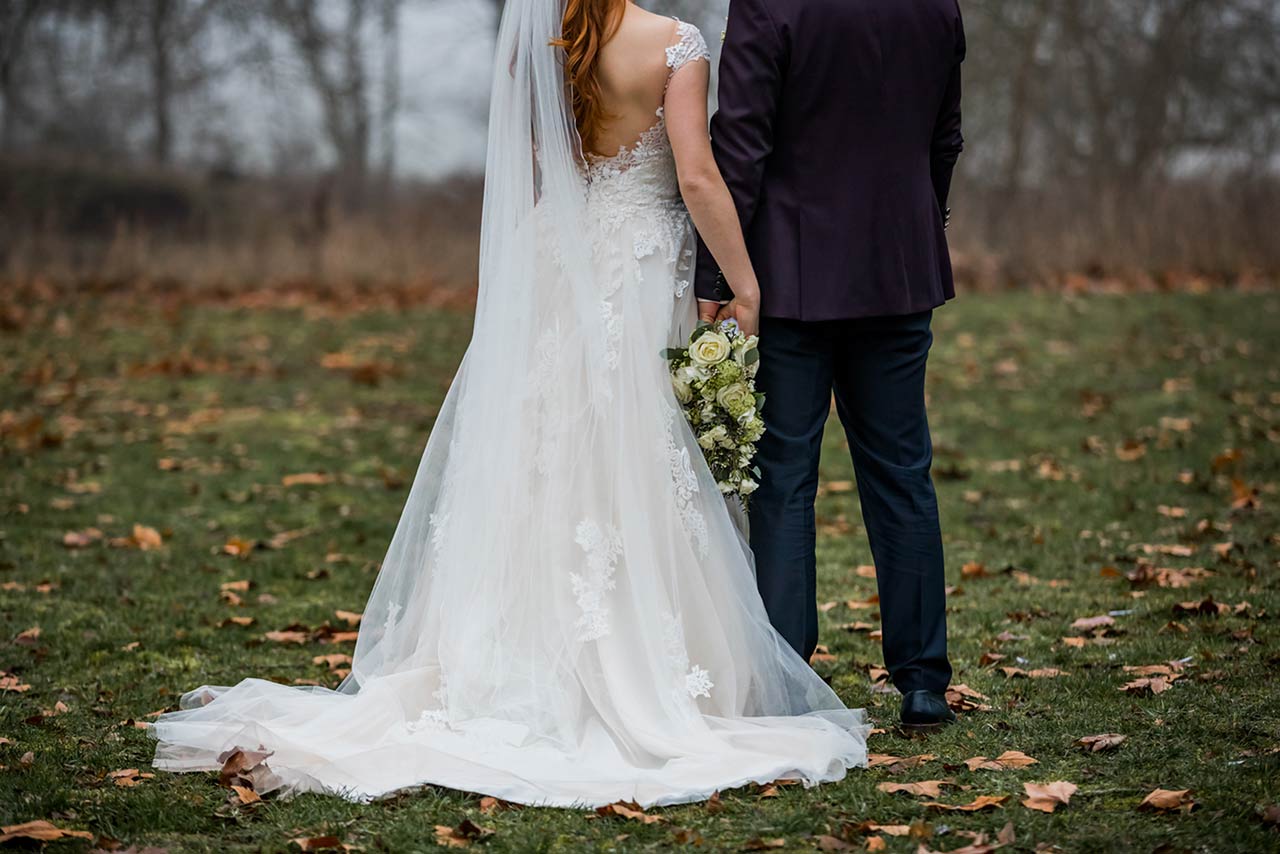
x=534, y=195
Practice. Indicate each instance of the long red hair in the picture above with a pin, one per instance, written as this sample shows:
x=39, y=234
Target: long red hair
x=588, y=26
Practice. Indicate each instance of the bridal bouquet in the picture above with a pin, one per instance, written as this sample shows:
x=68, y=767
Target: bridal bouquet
x=714, y=380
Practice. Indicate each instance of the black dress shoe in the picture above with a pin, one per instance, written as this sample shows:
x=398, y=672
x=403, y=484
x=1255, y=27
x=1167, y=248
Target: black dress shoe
x=925, y=711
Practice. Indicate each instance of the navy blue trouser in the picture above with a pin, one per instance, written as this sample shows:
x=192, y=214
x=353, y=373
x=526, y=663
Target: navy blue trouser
x=876, y=367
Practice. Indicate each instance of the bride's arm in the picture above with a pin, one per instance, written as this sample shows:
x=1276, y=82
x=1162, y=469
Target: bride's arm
x=705, y=194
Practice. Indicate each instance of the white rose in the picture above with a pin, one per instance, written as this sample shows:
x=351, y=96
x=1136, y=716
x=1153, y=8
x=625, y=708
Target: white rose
x=737, y=399
x=747, y=486
x=683, y=392
x=711, y=348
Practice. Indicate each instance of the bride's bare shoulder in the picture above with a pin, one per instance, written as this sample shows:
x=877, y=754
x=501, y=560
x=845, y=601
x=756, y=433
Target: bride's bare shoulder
x=641, y=28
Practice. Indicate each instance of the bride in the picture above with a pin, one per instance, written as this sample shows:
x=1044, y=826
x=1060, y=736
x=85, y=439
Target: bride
x=567, y=614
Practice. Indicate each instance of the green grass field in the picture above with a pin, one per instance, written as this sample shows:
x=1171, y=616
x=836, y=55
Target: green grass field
x=1089, y=452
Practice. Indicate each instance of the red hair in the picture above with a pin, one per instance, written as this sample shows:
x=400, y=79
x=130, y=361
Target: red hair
x=588, y=25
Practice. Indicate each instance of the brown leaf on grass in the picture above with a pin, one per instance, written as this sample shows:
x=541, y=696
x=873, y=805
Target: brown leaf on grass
x=40, y=831
x=1038, y=673
x=897, y=764
x=28, y=637
x=865, y=571
x=1168, y=549
x=1047, y=797
x=142, y=538
x=759, y=843
x=628, y=810
x=714, y=805
x=990, y=658
x=1005, y=761
x=962, y=698
x=831, y=843
x=236, y=621
x=924, y=788
x=334, y=660
x=1146, y=574
x=877, y=843
x=245, y=795
x=1150, y=684
x=974, y=569
x=982, y=802
x=1088, y=624
x=318, y=843
x=1173, y=667
x=979, y=845
x=1270, y=815
x=9, y=682
x=306, y=479
x=822, y=655
x=491, y=805
x=462, y=835
x=1168, y=800
x=81, y=539
x=287, y=636
x=239, y=547
x=351, y=618
x=1206, y=607
x=129, y=777
x=242, y=767
x=837, y=487
x=1243, y=496
x=1099, y=743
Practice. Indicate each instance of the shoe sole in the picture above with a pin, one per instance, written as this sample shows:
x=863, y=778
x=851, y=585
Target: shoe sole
x=925, y=727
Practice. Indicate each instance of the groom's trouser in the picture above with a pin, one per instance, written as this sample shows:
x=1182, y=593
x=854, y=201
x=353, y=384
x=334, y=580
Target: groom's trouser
x=876, y=366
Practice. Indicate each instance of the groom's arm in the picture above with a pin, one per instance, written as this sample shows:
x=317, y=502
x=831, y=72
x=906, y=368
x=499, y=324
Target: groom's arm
x=752, y=65
x=947, y=138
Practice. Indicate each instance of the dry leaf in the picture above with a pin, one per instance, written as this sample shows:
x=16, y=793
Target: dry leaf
x=1046, y=797
x=1005, y=761
x=462, y=835
x=1168, y=800
x=981, y=802
x=1153, y=684
x=1088, y=624
x=40, y=831
x=926, y=788
x=760, y=844
x=1099, y=743
x=628, y=810
x=306, y=479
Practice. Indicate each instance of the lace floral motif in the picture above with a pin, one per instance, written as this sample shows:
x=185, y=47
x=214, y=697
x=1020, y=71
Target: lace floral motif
x=434, y=719
x=603, y=548
x=685, y=483
x=690, y=45
x=691, y=680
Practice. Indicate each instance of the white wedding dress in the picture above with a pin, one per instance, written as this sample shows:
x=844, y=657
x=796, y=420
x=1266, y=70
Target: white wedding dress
x=567, y=614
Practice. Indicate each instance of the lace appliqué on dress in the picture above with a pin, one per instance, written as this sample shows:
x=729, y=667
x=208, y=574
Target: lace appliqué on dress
x=691, y=679
x=685, y=483
x=603, y=548
x=690, y=45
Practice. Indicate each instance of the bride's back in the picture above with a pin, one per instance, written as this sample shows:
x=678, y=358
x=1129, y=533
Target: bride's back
x=632, y=73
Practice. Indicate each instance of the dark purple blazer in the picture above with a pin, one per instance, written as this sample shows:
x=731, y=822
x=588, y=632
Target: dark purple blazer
x=837, y=132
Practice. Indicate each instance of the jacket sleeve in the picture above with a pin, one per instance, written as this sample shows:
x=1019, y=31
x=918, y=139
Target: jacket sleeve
x=752, y=69
x=948, y=141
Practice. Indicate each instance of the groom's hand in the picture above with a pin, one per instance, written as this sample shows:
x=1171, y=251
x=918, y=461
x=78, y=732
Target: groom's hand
x=745, y=312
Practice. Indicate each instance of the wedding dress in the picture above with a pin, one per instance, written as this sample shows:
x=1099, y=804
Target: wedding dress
x=566, y=615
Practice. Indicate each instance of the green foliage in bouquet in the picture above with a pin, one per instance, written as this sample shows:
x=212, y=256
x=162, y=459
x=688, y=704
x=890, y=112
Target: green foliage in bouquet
x=714, y=380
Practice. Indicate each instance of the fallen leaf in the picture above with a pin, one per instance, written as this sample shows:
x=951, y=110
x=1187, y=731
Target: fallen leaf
x=462, y=835
x=1088, y=624
x=1151, y=684
x=973, y=569
x=306, y=479
x=758, y=843
x=129, y=777
x=1099, y=743
x=1168, y=800
x=628, y=810
x=1047, y=797
x=317, y=843
x=981, y=802
x=1008, y=760
x=40, y=831
x=925, y=788
x=81, y=539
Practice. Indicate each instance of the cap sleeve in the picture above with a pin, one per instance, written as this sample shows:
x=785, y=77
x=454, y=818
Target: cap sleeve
x=689, y=45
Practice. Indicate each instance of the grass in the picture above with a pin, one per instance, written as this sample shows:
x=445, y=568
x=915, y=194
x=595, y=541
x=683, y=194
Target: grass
x=1069, y=434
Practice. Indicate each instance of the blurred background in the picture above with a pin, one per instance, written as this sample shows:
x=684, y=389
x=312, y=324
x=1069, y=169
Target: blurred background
x=339, y=144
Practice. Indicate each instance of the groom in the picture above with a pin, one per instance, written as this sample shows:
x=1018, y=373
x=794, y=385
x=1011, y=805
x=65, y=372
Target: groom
x=837, y=131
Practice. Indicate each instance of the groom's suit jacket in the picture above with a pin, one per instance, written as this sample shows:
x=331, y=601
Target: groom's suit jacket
x=837, y=131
